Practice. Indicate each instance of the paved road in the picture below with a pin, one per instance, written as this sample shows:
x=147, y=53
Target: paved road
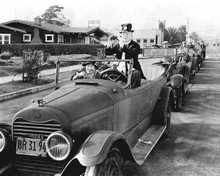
x=193, y=147
x=10, y=107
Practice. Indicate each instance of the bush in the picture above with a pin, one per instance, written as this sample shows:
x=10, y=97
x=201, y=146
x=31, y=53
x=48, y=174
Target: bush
x=6, y=55
x=53, y=49
x=31, y=65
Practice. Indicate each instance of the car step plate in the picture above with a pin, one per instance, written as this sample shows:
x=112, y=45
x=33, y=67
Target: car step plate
x=147, y=142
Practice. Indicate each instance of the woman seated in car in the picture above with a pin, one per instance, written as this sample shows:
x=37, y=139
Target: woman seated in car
x=89, y=71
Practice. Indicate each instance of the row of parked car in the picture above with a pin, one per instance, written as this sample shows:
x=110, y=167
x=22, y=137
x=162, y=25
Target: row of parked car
x=185, y=65
x=92, y=127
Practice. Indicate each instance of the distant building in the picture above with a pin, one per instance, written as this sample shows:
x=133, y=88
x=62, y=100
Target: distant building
x=20, y=31
x=145, y=37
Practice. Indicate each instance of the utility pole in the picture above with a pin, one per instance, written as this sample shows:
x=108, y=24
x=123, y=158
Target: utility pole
x=187, y=38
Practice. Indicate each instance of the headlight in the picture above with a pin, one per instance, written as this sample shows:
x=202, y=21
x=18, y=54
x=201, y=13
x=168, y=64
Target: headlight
x=59, y=145
x=3, y=140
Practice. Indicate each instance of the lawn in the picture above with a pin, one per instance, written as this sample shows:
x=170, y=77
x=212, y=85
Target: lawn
x=14, y=66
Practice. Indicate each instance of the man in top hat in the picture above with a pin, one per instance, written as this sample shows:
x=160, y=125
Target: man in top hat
x=203, y=47
x=129, y=49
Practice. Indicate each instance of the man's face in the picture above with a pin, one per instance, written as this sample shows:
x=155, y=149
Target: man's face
x=126, y=36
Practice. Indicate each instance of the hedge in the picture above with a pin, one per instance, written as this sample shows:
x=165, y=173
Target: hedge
x=53, y=49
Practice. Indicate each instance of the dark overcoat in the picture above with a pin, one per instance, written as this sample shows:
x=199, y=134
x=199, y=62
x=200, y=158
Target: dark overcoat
x=131, y=50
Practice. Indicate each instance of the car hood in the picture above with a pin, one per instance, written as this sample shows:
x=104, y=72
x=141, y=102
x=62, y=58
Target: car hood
x=72, y=102
x=79, y=101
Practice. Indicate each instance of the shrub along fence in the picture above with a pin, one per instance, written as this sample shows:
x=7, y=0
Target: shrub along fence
x=53, y=49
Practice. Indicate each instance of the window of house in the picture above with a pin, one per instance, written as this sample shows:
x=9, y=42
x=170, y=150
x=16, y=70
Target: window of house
x=5, y=38
x=145, y=40
x=49, y=38
x=139, y=40
x=26, y=37
x=151, y=40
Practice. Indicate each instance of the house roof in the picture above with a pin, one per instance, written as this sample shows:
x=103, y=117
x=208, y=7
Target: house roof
x=12, y=28
x=57, y=28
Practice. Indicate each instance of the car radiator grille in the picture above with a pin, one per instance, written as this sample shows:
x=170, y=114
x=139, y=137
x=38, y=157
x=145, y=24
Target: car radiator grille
x=33, y=165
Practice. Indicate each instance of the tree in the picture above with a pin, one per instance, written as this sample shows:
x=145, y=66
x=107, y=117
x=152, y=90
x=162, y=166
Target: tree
x=173, y=35
x=53, y=15
x=162, y=26
x=182, y=33
x=194, y=37
x=166, y=35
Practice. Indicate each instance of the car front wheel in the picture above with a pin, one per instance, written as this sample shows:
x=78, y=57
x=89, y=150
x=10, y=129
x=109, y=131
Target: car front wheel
x=111, y=166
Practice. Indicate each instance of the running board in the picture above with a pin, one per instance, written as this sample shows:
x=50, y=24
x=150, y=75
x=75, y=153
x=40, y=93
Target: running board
x=147, y=142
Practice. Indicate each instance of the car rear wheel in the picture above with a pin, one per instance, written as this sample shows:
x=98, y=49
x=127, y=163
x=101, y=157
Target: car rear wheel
x=179, y=99
x=111, y=166
x=167, y=118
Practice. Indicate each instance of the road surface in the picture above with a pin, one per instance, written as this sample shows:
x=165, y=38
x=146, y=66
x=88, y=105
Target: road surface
x=10, y=107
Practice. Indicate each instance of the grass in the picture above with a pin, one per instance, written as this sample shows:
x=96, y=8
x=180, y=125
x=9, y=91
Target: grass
x=14, y=86
x=14, y=66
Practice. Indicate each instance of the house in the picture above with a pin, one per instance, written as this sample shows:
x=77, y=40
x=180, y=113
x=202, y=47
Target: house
x=20, y=31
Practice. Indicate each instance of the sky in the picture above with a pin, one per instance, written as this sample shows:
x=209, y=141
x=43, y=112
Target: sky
x=200, y=16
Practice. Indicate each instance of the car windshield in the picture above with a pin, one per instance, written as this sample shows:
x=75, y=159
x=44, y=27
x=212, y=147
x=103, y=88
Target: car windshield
x=106, y=68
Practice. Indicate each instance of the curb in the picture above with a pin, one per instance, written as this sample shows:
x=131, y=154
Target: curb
x=29, y=91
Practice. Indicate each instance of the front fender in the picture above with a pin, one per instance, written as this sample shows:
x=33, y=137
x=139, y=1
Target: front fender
x=96, y=147
x=176, y=81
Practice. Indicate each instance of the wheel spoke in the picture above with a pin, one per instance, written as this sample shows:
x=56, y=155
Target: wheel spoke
x=111, y=166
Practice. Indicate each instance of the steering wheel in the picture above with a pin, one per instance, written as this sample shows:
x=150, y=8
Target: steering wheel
x=113, y=75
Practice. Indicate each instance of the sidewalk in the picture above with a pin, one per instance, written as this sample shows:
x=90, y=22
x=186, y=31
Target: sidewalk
x=32, y=90
x=42, y=73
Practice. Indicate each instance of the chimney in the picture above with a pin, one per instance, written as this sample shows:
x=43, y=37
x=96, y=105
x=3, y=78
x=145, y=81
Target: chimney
x=37, y=20
x=36, y=38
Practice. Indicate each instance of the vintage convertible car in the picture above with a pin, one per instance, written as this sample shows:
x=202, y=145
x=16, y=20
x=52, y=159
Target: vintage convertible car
x=178, y=70
x=89, y=127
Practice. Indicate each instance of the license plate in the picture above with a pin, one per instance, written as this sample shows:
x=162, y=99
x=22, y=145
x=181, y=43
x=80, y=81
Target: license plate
x=30, y=146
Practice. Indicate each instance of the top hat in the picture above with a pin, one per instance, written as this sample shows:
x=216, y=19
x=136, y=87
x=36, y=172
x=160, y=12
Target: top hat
x=126, y=27
x=113, y=37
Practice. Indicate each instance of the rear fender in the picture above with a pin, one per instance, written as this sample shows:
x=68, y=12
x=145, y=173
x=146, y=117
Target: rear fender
x=176, y=81
x=96, y=148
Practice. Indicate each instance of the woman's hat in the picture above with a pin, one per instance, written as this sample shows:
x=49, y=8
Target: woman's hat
x=126, y=27
x=90, y=62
